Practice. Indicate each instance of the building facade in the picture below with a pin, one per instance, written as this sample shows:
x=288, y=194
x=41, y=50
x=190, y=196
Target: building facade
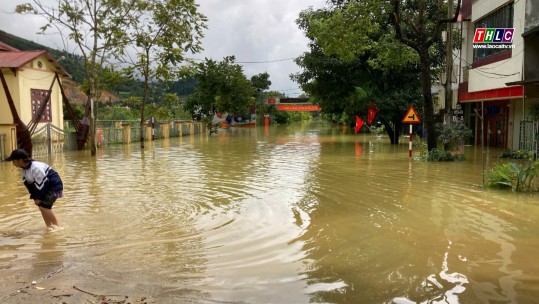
x=497, y=67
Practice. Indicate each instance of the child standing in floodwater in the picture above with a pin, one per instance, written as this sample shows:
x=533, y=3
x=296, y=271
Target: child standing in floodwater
x=43, y=183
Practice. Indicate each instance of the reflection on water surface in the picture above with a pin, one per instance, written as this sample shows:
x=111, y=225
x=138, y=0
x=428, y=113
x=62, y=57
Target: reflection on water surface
x=302, y=214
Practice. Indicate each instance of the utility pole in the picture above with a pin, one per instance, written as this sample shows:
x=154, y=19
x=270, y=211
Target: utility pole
x=449, y=65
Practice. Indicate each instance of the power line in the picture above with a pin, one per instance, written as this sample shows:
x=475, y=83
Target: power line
x=249, y=62
x=269, y=61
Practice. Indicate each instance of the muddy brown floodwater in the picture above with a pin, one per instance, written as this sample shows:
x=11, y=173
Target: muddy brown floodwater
x=298, y=214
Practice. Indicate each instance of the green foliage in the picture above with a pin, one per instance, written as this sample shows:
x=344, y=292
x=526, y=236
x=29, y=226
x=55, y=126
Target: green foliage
x=441, y=155
x=344, y=119
x=342, y=78
x=213, y=128
x=284, y=117
x=299, y=116
x=530, y=155
x=391, y=35
x=182, y=87
x=422, y=147
x=519, y=177
x=453, y=134
x=109, y=78
x=221, y=87
x=161, y=31
x=378, y=130
x=77, y=108
x=261, y=82
x=499, y=176
x=115, y=113
x=172, y=103
x=132, y=102
x=281, y=117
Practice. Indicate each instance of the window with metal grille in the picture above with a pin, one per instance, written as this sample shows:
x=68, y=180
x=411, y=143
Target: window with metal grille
x=38, y=98
x=500, y=18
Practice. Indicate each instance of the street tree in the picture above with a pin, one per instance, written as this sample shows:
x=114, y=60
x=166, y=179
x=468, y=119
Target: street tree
x=261, y=82
x=221, y=87
x=352, y=27
x=344, y=85
x=93, y=27
x=158, y=37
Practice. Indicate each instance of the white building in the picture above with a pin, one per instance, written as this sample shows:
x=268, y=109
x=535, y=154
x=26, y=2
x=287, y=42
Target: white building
x=498, y=81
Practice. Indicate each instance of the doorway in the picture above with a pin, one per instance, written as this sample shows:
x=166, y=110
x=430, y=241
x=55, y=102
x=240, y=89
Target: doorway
x=495, y=124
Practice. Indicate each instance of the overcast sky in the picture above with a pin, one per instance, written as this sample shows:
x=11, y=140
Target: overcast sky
x=252, y=30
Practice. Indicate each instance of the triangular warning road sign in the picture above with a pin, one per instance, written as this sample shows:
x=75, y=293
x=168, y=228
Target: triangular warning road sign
x=411, y=116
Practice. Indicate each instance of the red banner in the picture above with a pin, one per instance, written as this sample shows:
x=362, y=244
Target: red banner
x=298, y=108
x=371, y=113
x=359, y=123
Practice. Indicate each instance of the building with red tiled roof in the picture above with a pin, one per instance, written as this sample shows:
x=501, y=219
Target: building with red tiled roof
x=28, y=77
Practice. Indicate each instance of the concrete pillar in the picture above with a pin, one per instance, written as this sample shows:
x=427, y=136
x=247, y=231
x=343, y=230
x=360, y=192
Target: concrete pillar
x=148, y=131
x=165, y=128
x=127, y=133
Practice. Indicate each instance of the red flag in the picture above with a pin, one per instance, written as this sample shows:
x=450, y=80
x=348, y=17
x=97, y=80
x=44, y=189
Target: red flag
x=359, y=123
x=371, y=113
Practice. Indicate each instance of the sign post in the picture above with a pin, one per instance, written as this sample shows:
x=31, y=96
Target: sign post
x=411, y=117
x=153, y=128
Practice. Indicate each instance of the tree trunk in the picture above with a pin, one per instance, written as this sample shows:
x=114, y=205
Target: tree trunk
x=428, y=106
x=144, y=96
x=449, y=66
x=393, y=131
x=93, y=128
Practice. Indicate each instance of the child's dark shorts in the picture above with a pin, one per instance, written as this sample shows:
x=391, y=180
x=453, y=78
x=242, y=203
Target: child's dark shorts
x=49, y=199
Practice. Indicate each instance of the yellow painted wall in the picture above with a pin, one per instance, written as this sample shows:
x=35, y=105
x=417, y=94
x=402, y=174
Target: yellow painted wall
x=8, y=138
x=31, y=76
x=5, y=113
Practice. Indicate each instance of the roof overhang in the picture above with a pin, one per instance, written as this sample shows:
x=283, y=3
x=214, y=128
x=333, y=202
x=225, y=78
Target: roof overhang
x=523, y=82
x=494, y=94
x=530, y=32
x=15, y=60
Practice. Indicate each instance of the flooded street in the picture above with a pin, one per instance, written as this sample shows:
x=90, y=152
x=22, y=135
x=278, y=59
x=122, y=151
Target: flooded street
x=304, y=214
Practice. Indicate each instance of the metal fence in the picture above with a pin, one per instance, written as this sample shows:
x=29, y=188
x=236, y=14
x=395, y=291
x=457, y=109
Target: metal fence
x=50, y=139
x=112, y=132
x=529, y=136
